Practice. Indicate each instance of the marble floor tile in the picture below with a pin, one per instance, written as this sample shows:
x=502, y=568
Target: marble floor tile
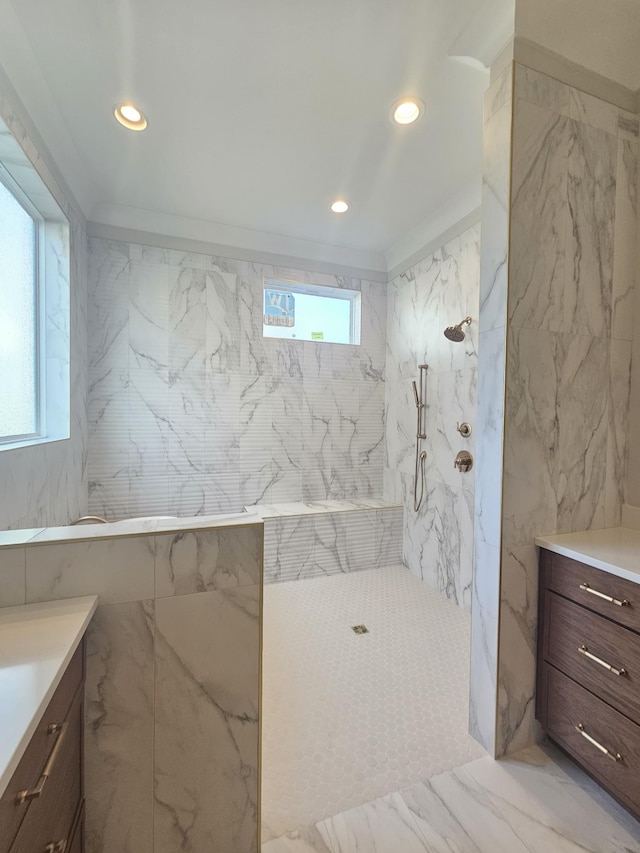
x=307, y=840
x=383, y=826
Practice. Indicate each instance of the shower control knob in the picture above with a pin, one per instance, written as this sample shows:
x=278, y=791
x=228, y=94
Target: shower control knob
x=464, y=429
x=463, y=461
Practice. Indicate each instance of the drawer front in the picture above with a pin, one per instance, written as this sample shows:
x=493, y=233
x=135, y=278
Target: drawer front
x=30, y=768
x=566, y=577
x=51, y=817
x=571, y=706
x=569, y=627
x=77, y=839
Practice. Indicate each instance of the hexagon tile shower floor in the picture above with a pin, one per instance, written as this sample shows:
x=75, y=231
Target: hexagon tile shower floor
x=349, y=717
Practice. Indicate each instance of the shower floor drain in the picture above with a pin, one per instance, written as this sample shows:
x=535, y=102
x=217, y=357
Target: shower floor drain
x=360, y=629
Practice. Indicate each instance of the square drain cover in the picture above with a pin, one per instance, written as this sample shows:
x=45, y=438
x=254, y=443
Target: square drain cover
x=360, y=629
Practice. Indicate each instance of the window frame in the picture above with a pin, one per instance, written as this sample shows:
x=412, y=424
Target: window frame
x=39, y=308
x=326, y=291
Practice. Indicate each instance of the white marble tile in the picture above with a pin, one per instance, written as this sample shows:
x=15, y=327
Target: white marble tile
x=539, y=215
x=148, y=316
x=207, y=560
x=119, y=729
x=538, y=88
x=582, y=410
x=499, y=92
x=308, y=840
x=187, y=320
x=593, y=111
x=207, y=672
x=590, y=231
x=628, y=126
x=618, y=430
x=222, y=323
x=625, y=239
x=114, y=570
x=517, y=652
x=484, y=644
x=382, y=826
x=532, y=435
x=12, y=577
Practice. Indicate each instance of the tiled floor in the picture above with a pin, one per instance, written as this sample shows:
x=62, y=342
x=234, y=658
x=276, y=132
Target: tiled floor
x=350, y=718
x=536, y=802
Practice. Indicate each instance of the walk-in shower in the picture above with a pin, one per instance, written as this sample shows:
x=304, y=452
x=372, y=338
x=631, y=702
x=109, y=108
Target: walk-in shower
x=455, y=333
x=420, y=395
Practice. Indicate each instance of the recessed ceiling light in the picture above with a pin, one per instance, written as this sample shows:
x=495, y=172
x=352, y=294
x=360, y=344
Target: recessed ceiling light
x=130, y=117
x=340, y=206
x=407, y=110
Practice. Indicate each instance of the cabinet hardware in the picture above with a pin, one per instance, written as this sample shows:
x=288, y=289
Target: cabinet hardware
x=614, y=669
x=614, y=756
x=620, y=603
x=60, y=730
x=58, y=847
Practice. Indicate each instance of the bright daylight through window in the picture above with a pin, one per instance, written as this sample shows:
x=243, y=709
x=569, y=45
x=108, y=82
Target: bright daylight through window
x=19, y=412
x=311, y=312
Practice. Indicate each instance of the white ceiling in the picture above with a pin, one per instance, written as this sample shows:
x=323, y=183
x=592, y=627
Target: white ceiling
x=260, y=113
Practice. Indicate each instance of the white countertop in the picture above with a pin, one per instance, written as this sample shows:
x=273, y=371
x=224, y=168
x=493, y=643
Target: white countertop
x=615, y=550
x=37, y=641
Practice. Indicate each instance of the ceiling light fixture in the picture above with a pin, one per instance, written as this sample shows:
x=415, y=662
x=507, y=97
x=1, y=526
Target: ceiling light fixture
x=130, y=117
x=407, y=110
x=340, y=206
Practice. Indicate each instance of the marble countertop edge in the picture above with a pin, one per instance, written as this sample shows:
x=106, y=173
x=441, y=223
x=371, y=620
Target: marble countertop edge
x=20, y=714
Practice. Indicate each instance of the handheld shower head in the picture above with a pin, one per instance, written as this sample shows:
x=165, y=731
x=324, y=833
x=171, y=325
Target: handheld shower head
x=415, y=393
x=455, y=333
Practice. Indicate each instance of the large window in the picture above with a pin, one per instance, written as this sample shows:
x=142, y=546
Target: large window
x=311, y=312
x=19, y=370
x=34, y=304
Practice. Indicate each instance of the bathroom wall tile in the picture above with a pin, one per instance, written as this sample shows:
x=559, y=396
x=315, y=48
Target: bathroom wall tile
x=628, y=126
x=582, y=409
x=484, y=644
x=148, y=316
x=542, y=90
x=331, y=554
x=539, y=216
x=114, y=570
x=490, y=439
x=592, y=111
x=289, y=549
x=199, y=802
x=517, y=653
x=590, y=231
x=187, y=320
x=222, y=331
x=373, y=331
x=208, y=560
x=496, y=167
x=119, y=729
x=307, y=840
x=626, y=230
x=532, y=435
x=12, y=576
x=499, y=93
x=618, y=430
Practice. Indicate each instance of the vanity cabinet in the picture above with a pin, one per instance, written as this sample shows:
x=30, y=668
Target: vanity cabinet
x=588, y=690
x=41, y=809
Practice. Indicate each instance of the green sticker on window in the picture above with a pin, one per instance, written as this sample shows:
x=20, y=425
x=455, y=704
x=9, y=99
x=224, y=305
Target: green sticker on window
x=317, y=336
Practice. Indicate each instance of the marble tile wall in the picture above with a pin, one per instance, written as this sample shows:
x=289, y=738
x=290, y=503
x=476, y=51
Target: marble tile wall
x=47, y=484
x=435, y=293
x=172, y=695
x=319, y=545
x=496, y=156
x=570, y=306
x=192, y=411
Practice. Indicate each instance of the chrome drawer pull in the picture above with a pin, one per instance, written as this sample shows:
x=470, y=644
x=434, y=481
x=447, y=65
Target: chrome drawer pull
x=614, y=756
x=54, y=729
x=620, y=603
x=614, y=669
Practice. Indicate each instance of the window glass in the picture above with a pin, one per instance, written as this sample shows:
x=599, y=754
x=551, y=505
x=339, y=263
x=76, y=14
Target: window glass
x=18, y=319
x=311, y=312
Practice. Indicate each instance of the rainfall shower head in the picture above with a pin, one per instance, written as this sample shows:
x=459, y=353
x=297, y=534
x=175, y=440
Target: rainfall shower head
x=455, y=333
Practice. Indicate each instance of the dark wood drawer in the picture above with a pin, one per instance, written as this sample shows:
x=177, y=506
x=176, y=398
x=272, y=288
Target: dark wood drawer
x=570, y=706
x=569, y=627
x=51, y=817
x=30, y=768
x=77, y=837
x=565, y=576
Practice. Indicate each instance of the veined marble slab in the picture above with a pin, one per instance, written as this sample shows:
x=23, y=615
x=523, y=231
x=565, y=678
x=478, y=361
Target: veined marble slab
x=280, y=510
x=615, y=549
x=146, y=526
x=37, y=641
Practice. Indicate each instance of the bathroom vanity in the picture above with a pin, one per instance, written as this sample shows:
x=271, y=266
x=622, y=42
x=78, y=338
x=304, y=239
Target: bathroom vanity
x=42, y=677
x=588, y=682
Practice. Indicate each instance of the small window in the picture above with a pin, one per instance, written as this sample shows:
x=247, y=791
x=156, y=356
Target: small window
x=311, y=312
x=19, y=412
